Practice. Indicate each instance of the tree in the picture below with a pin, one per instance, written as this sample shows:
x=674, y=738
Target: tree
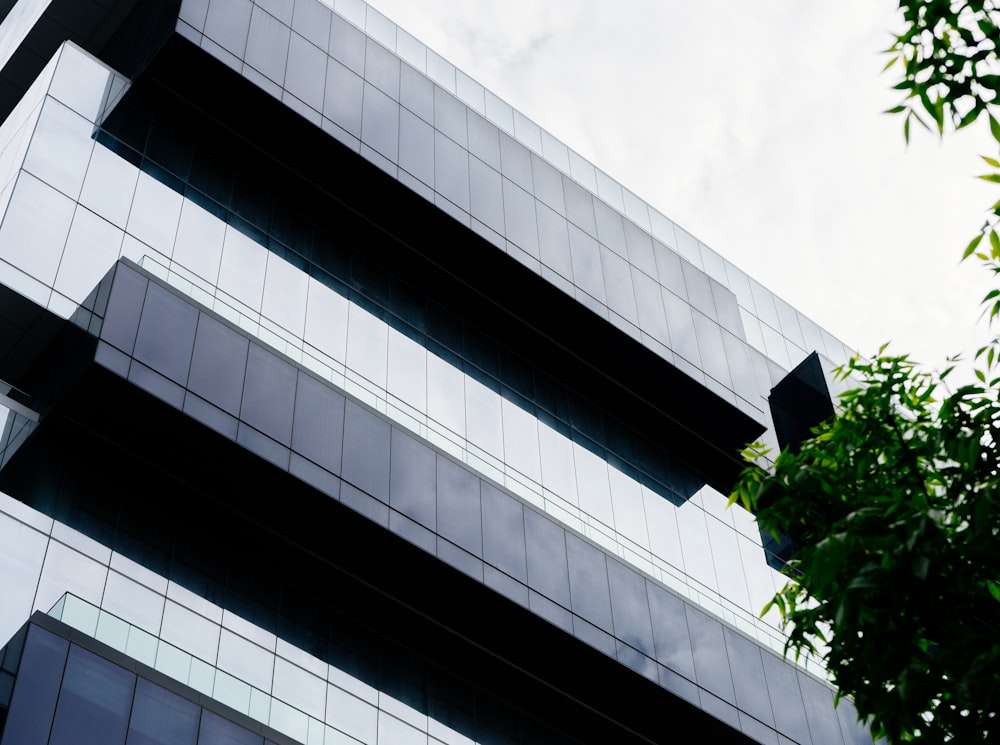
x=895, y=501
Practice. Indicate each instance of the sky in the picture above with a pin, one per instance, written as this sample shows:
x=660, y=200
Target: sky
x=758, y=128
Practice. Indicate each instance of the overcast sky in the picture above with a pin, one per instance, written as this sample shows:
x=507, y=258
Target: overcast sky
x=756, y=127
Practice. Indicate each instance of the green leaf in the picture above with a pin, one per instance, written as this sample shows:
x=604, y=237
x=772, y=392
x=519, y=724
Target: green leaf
x=995, y=128
x=994, y=177
x=994, y=589
x=991, y=161
x=995, y=244
x=973, y=244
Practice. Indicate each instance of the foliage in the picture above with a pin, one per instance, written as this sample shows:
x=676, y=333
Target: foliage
x=895, y=502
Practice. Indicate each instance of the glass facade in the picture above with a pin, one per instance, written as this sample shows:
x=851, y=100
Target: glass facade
x=246, y=280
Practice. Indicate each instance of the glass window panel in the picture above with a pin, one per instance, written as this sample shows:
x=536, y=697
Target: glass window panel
x=343, y=97
x=610, y=191
x=618, y=283
x=548, y=184
x=818, y=700
x=451, y=171
x=189, y=631
x=728, y=562
x=200, y=237
x=811, y=335
x=228, y=24
x=484, y=141
x=35, y=227
x=738, y=354
x=312, y=20
x=713, y=352
x=499, y=112
x=553, y=241
x=407, y=370
x=366, y=451
x=60, y=148
x=380, y=122
x=683, y=340
x=558, y=467
x=416, y=93
x=459, y=507
x=166, y=333
x=326, y=320
x=305, y=690
x=450, y=116
x=520, y=436
x=774, y=346
x=155, y=213
x=748, y=672
x=367, y=345
x=610, y=228
x=416, y=146
x=699, y=291
x=548, y=572
x=782, y=685
x=519, y=213
x=91, y=249
x=503, y=532
x=727, y=309
x=670, y=630
x=588, y=582
x=486, y=195
x=583, y=171
x=351, y=715
x=382, y=68
x=305, y=76
x=695, y=545
x=579, y=206
x=764, y=304
x=649, y=303
x=109, y=185
x=94, y=702
x=669, y=270
x=218, y=731
x=592, y=485
x=243, y=267
x=37, y=688
x=445, y=394
x=516, y=162
x=527, y=131
x=711, y=663
x=413, y=479
x=636, y=210
x=285, y=287
x=133, y=603
x=267, y=44
x=629, y=607
x=586, y=263
x=484, y=425
x=162, y=718
x=639, y=246
x=411, y=50
x=269, y=394
x=218, y=364
x=318, y=424
x=629, y=512
x=789, y=321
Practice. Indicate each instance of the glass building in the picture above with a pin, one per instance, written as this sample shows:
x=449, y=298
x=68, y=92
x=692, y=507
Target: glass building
x=344, y=404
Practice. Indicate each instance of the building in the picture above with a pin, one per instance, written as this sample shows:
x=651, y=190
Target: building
x=345, y=404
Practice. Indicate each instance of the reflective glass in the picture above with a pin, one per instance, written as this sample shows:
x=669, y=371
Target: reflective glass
x=713, y=352
x=450, y=117
x=588, y=582
x=36, y=689
x=380, y=122
x=189, y=631
x=683, y=339
x=60, y=148
x=459, y=507
x=245, y=660
x=166, y=333
x=305, y=690
x=21, y=553
x=630, y=608
x=695, y=544
x=592, y=485
x=109, y=185
x=484, y=141
x=416, y=146
x=215, y=730
x=35, y=227
x=711, y=662
x=305, y=76
x=407, y=370
x=484, y=425
x=218, y=364
x=285, y=288
x=446, y=394
x=503, y=532
x=670, y=630
x=520, y=436
x=366, y=451
x=618, y=283
x=579, y=206
x=764, y=304
x=486, y=195
x=94, y=702
x=326, y=320
x=92, y=247
x=748, y=673
x=783, y=687
x=586, y=263
x=243, y=267
x=558, y=468
x=519, y=214
x=312, y=20
x=155, y=212
x=741, y=367
x=200, y=236
x=548, y=572
x=649, y=304
x=553, y=241
x=382, y=68
x=451, y=171
x=133, y=603
x=318, y=424
x=121, y=321
x=629, y=512
x=269, y=394
x=413, y=479
x=515, y=162
x=267, y=44
x=789, y=321
x=351, y=715
x=228, y=24
x=162, y=718
x=818, y=699
x=416, y=93
x=344, y=93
